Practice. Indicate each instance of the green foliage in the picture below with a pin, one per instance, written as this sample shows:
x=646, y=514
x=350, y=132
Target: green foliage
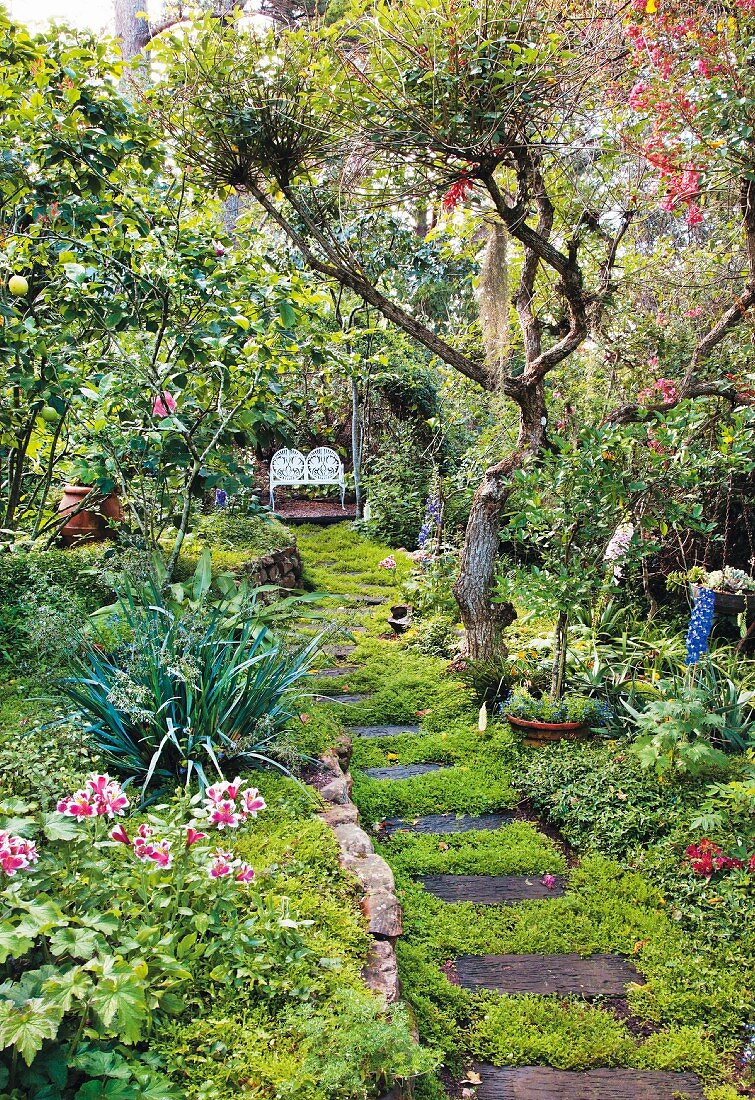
x=674, y=733
x=435, y=636
x=95, y=964
x=46, y=598
x=600, y=796
x=397, y=483
x=184, y=693
x=235, y=538
x=516, y=849
x=428, y=589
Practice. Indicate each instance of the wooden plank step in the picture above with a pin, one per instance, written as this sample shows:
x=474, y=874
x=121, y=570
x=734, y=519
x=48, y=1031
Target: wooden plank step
x=340, y=698
x=595, y=976
x=543, y=1083
x=331, y=673
x=383, y=731
x=402, y=771
x=491, y=889
x=339, y=651
x=442, y=824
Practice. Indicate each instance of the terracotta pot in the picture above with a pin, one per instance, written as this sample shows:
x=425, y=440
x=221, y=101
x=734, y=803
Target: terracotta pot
x=544, y=733
x=731, y=603
x=90, y=524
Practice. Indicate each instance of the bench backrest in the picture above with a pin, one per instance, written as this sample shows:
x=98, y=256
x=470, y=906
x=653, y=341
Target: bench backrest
x=322, y=466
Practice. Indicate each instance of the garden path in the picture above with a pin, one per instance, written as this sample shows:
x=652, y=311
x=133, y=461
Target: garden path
x=597, y=977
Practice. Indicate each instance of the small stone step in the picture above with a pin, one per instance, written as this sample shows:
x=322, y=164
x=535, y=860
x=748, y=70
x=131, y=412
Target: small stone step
x=491, y=889
x=595, y=976
x=443, y=824
x=332, y=673
x=340, y=698
x=402, y=771
x=383, y=731
x=543, y=1083
x=339, y=651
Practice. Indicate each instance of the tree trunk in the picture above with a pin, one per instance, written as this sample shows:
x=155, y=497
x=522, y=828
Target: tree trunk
x=483, y=620
x=356, y=448
x=133, y=32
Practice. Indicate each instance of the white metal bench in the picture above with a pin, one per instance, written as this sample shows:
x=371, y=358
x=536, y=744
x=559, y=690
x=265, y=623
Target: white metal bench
x=322, y=466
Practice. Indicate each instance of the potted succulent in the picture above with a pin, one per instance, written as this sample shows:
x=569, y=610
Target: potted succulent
x=733, y=589
x=544, y=719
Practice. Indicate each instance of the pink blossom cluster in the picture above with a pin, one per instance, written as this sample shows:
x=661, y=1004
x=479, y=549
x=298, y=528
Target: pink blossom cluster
x=16, y=853
x=387, y=563
x=222, y=864
x=165, y=405
x=144, y=847
x=227, y=805
x=663, y=389
x=100, y=796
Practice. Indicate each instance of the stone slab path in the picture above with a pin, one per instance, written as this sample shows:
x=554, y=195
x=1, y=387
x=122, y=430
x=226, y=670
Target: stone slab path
x=442, y=824
x=595, y=976
x=542, y=1083
x=383, y=731
x=491, y=889
x=402, y=771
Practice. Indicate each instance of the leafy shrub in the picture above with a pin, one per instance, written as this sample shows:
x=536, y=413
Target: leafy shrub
x=600, y=797
x=103, y=940
x=435, y=636
x=184, y=694
x=428, y=589
x=46, y=598
x=258, y=534
x=493, y=678
x=397, y=484
x=674, y=732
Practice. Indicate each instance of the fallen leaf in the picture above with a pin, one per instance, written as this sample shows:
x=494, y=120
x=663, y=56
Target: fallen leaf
x=422, y=713
x=472, y=1078
x=305, y=718
x=442, y=846
x=391, y=756
x=482, y=722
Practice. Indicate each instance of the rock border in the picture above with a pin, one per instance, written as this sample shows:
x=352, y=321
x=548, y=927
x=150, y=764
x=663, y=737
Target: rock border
x=379, y=903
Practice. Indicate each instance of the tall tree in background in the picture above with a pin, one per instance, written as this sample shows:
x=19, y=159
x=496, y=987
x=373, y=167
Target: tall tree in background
x=498, y=108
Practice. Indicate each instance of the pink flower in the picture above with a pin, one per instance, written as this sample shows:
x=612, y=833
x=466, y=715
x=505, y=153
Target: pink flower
x=16, y=853
x=219, y=250
x=193, y=835
x=160, y=853
x=224, y=813
x=387, y=563
x=252, y=802
x=221, y=864
x=245, y=873
x=108, y=795
x=77, y=805
x=144, y=831
x=694, y=312
x=120, y=834
x=221, y=792
x=549, y=882
x=694, y=214
x=164, y=406
x=637, y=100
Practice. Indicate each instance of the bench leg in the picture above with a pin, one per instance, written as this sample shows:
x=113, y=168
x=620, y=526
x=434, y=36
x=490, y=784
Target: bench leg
x=272, y=498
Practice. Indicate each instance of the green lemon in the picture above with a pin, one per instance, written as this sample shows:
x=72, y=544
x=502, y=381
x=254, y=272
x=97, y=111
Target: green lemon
x=18, y=286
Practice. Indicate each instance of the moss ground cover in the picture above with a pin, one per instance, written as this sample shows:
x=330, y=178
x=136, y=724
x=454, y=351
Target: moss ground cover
x=688, y=1012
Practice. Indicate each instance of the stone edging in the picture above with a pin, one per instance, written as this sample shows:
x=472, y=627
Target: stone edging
x=357, y=854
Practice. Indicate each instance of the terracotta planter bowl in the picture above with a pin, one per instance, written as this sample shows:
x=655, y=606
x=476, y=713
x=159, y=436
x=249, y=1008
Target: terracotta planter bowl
x=90, y=524
x=545, y=733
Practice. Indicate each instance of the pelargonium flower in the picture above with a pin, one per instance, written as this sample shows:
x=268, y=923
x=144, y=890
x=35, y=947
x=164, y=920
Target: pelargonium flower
x=16, y=853
x=387, y=563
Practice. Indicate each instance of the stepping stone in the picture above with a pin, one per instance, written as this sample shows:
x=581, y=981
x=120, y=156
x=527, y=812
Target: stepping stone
x=442, y=824
x=542, y=1083
x=383, y=731
x=490, y=889
x=399, y=771
x=339, y=651
x=340, y=698
x=596, y=976
x=331, y=673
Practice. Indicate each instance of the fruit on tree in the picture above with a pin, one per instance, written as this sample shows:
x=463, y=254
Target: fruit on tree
x=18, y=286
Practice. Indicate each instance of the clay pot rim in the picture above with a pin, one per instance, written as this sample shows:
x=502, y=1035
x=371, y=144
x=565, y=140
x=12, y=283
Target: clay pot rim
x=533, y=724
x=79, y=490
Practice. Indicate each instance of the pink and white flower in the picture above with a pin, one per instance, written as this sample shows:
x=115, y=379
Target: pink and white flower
x=16, y=853
x=164, y=406
x=100, y=796
x=224, y=814
x=119, y=834
x=387, y=563
x=245, y=873
x=221, y=865
x=252, y=801
x=193, y=835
